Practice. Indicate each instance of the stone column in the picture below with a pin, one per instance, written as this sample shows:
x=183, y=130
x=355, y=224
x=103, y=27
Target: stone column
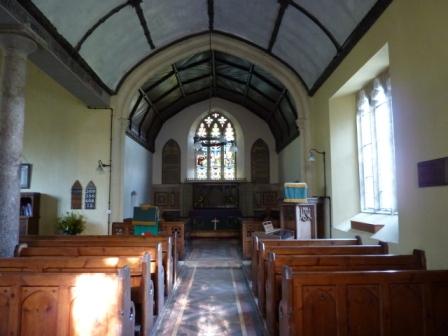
x=15, y=48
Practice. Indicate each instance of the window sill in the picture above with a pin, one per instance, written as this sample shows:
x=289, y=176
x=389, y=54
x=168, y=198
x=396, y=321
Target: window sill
x=367, y=227
x=388, y=232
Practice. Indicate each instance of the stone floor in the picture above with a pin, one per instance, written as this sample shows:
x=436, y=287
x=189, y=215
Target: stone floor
x=212, y=296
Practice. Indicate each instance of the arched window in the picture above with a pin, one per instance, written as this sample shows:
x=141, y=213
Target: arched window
x=215, y=148
x=376, y=149
x=260, y=162
x=171, y=163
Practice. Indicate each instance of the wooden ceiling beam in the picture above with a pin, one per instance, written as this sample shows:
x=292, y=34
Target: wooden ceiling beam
x=211, y=14
x=278, y=22
x=249, y=78
x=141, y=17
x=179, y=82
x=317, y=23
x=99, y=23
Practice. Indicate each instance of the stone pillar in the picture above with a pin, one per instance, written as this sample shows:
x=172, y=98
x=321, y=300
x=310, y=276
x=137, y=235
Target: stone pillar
x=15, y=48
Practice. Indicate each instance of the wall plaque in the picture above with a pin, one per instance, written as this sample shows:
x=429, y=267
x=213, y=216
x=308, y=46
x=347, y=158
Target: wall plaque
x=90, y=198
x=433, y=173
x=77, y=195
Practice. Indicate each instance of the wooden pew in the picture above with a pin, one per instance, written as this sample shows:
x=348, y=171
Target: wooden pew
x=415, y=261
x=301, y=242
x=34, y=303
x=305, y=250
x=364, y=303
x=175, y=228
x=168, y=247
x=157, y=273
x=142, y=289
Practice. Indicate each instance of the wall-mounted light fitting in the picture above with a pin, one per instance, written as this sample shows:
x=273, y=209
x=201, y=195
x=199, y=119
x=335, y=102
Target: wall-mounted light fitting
x=102, y=165
x=312, y=157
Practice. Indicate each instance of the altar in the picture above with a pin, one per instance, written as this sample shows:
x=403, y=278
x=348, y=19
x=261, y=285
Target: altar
x=215, y=210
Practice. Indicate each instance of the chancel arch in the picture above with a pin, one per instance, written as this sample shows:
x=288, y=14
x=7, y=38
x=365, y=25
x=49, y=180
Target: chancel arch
x=189, y=47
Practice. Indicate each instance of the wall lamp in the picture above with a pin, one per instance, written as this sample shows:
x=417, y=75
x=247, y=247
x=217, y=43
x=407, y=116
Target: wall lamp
x=312, y=157
x=102, y=165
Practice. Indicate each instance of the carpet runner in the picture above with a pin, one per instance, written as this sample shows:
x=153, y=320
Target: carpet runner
x=212, y=296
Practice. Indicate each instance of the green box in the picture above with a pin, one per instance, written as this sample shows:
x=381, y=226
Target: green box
x=146, y=220
x=140, y=230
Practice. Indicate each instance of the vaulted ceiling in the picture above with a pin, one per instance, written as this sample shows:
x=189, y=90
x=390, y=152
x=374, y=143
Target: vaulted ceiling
x=110, y=38
x=207, y=74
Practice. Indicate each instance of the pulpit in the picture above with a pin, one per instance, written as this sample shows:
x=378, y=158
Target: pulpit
x=299, y=217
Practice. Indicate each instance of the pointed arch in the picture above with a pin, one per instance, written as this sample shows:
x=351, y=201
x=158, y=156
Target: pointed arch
x=90, y=197
x=171, y=162
x=76, y=195
x=259, y=158
x=215, y=147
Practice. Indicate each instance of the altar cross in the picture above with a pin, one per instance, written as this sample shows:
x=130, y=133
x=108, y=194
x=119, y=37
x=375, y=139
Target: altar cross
x=215, y=221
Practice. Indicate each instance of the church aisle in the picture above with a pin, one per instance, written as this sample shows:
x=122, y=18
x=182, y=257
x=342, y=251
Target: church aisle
x=211, y=300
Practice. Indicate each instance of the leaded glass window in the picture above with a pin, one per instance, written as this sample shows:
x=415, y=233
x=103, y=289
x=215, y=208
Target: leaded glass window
x=215, y=148
x=376, y=149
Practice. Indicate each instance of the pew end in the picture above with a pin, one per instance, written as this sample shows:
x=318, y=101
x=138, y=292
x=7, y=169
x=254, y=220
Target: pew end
x=37, y=303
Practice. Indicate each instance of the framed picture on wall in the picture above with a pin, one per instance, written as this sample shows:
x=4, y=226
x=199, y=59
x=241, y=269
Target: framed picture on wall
x=25, y=175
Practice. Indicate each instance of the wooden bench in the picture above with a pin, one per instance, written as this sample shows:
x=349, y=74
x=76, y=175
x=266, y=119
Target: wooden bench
x=142, y=289
x=306, y=250
x=175, y=228
x=249, y=226
x=157, y=273
x=169, y=252
x=415, y=261
x=34, y=303
x=277, y=242
x=364, y=303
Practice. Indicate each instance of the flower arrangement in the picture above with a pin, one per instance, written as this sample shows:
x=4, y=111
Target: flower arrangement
x=71, y=223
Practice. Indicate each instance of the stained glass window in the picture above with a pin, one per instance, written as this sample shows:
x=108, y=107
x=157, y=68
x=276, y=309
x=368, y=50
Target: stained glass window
x=215, y=148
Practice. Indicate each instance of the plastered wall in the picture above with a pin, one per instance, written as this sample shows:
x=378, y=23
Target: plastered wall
x=248, y=129
x=415, y=32
x=63, y=140
x=137, y=176
x=289, y=162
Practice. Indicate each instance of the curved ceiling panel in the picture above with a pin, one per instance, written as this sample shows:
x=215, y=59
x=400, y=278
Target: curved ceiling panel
x=316, y=49
x=73, y=18
x=340, y=17
x=115, y=46
x=112, y=36
x=170, y=20
x=252, y=20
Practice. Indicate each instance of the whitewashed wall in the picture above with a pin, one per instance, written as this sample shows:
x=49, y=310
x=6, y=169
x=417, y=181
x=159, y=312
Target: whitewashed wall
x=248, y=129
x=137, y=176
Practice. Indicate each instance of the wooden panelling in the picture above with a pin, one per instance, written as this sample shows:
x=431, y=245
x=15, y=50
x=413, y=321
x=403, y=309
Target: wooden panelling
x=34, y=303
x=364, y=309
x=39, y=311
x=365, y=303
x=322, y=300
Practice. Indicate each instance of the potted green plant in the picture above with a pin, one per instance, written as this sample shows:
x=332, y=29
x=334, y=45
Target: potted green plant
x=71, y=223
